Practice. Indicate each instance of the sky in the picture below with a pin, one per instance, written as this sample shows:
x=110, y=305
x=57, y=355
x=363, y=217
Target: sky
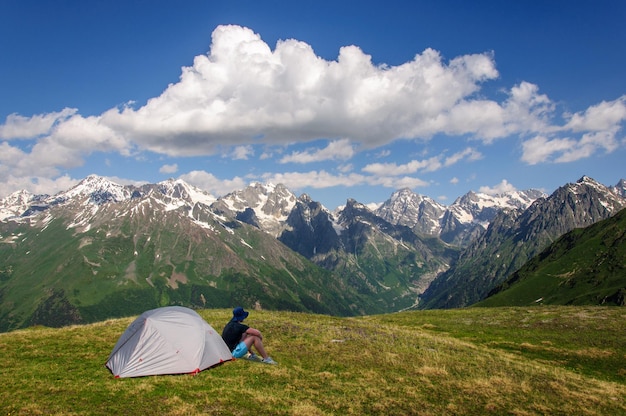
x=335, y=99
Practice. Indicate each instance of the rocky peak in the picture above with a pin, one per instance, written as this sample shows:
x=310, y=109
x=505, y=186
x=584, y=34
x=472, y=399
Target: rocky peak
x=413, y=210
x=18, y=203
x=179, y=189
x=271, y=204
x=21, y=197
x=620, y=188
x=310, y=230
x=95, y=190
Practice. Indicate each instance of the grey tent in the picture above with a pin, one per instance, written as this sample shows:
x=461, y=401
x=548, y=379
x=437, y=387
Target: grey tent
x=168, y=340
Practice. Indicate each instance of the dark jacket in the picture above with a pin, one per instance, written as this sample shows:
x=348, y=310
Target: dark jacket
x=232, y=333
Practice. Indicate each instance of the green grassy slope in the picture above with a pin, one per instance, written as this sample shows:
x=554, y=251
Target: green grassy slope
x=586, y=266
x=52, y=275
x=525, y=361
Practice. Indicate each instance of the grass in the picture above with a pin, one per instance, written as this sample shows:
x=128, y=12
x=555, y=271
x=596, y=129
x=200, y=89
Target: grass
x=519, y=361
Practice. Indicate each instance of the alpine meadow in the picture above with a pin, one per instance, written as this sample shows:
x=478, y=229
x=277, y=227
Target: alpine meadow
x=344, y=299
x=313, y=208
x=472, y=361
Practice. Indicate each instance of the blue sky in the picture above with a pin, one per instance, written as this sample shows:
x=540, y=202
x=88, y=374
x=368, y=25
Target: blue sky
x=333, y=99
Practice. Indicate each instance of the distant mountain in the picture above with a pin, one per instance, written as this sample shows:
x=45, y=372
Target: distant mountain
x=583, y=267
x=21, y=203
x=101, y=250
x=382, y=261
x=620, y=188
x=420, y=213
x=458, y=223
x=265, y=205
x=515, y=236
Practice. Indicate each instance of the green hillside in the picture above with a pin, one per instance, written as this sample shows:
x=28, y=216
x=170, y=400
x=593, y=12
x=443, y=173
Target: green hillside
x=476, y=361
x=53, y=275
x=586, y=266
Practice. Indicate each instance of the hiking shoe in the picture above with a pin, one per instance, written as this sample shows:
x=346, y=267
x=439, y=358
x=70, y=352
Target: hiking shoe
x=269, y=360
x=253, y=357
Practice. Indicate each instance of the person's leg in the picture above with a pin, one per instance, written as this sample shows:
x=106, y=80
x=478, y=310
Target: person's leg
x=252, y=340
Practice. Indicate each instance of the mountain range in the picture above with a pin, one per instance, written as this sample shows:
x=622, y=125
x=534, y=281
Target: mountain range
x=515, y=236
x=101, y=250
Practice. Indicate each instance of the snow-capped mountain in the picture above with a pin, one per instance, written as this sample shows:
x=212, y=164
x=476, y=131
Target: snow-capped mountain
x=276, y=250
x=378, y=257
x=620, y=188
x=312, y=231
x=18, y=203
x=99, y=251
x=94, y=190
x=266, y=205
x=455, y=224
x=477, y=207
x=177, y=189
x=413, y=210
x=515, y=236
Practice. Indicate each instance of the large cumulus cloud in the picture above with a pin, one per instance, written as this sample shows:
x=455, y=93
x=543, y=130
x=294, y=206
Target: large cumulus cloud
x=243, y=93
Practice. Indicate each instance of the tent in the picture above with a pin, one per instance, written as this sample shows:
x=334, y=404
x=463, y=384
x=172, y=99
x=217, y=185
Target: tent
x=168, y=340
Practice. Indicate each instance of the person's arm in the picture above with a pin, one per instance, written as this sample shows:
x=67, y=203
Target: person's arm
x=255, y=332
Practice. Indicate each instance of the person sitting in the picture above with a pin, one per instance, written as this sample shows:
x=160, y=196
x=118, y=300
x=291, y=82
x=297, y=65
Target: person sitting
x=240, y=338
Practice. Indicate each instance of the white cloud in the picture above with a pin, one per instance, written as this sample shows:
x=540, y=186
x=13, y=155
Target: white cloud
x=9, y=156
x=323, y=179
x=314, y=179
x=393, y=169
x=588, y=145
x=35, y=184
x=383, y=153
x=539, y=148
x=561, y=150
x=42, y=161
x=469, y=153
x=373, y=206
x=599, y=125
x=500, y=188
x=336, y=150
x=606, y=116
x=346, y=168
x=20, y=127
x=242, y=152
x=89, y=134
x=213, y=185
x=426, y=165
x=397, y=182
x=525, y=110
x=173, y=168
x=243, y=93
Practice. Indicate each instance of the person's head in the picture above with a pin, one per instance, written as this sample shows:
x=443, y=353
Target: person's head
x=239, y=314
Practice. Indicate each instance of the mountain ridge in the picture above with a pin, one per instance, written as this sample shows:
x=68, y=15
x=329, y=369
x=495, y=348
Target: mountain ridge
x=514, y=237
x=583, y=266
x=172, y=243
